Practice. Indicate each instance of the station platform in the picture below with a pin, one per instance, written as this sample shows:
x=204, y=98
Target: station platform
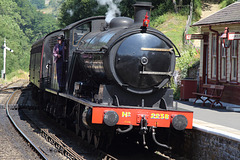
x=216, y=120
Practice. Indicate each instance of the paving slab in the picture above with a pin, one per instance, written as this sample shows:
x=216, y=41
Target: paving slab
x=218, y=120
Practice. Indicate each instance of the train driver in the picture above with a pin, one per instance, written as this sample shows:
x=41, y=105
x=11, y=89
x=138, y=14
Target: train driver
x=58, y=53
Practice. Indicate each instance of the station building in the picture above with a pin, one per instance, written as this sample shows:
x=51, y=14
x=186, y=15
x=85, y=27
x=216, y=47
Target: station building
x=220, y=51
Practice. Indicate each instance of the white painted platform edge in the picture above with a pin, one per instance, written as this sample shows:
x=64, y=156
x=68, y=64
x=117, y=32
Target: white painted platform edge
x=217, y=132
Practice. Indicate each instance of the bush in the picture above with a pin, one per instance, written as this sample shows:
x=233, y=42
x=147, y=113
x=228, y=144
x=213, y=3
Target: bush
x=13, y=76
x=189, y=56
x=159, y=20
x=225, y=3
x=197, y=9
x=19, y=74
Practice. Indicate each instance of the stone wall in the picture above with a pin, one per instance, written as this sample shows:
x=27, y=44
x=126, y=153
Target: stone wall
x=199, y=145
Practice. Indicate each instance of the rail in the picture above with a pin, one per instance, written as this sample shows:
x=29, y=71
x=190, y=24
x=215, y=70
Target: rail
x=41, y=154
x=65, y=150
x=51, y=138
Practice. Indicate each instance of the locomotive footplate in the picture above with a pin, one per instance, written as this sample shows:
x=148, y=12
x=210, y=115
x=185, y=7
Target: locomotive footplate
x=155, y=118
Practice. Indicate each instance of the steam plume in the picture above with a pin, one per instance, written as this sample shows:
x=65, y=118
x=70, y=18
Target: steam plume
x=113, y=10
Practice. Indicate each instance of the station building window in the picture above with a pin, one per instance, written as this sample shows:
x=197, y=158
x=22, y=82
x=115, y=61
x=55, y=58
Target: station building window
x=214, y=56
x=223, y=61
x=234, y=60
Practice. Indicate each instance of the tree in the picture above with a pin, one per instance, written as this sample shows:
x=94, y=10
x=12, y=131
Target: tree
x=126, y=8
x=17, y=41
x=74, y=10
x=36, y=23
x=39, y=4
x=21, y=25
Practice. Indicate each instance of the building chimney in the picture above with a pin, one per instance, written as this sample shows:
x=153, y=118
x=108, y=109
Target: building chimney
x=140, y=10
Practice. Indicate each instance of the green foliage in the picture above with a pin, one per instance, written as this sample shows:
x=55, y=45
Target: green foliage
x=17, y=41
x=53, y=7
x=176, y=90
x=36, y=24
x=43, y=24
x=162, y=8
x=21, y=25
x=225, y=3
x=172, y=25
x=159, y=20
x=126, y=8
x=74, y=10
x=39, y=4
x=15, y=75
x=189, y=56
x=197, y=9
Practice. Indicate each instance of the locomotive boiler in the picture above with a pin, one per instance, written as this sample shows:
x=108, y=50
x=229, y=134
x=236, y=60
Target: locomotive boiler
x=117, y=78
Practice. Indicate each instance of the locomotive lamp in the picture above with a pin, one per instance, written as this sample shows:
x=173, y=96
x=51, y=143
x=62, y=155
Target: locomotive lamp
x=146, y=21
x=225, y=36
x=179, y=122
x=110, y=118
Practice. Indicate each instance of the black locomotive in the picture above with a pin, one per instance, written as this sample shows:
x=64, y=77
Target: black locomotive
x=116, y=77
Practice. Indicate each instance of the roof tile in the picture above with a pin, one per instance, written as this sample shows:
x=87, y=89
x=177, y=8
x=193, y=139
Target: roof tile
x=228, y=14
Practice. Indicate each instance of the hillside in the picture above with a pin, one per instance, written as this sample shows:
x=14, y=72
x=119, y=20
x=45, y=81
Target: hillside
x=52, y=7
x=173, y=27
x=209, y=8
x=174, y=24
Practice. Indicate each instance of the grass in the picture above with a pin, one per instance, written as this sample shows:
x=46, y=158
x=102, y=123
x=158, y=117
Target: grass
x=172, y=25
x=20, y=74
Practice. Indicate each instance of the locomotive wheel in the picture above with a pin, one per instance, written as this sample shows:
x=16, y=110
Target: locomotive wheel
x=89, y=136
x=77, y=129
x=77, y=119
x=83, y=134
x=98, y=139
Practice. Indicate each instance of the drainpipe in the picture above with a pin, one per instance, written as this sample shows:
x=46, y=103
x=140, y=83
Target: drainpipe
x=217, y=48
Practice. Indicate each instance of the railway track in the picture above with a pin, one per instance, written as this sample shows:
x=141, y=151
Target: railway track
x=61, y=146
x=12, y=145
x=14, y=105
x=54, y=141
x=10, y=101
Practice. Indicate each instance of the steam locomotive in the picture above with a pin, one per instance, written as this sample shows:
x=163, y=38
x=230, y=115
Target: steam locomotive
x=117, y=78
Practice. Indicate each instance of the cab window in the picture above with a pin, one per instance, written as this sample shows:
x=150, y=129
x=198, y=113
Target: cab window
x=79, y=31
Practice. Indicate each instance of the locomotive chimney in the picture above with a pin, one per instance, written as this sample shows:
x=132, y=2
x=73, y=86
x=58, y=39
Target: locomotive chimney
x=140, y=10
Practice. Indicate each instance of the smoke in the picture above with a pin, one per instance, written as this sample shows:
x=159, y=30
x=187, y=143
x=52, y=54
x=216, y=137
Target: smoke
x=113, y=10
